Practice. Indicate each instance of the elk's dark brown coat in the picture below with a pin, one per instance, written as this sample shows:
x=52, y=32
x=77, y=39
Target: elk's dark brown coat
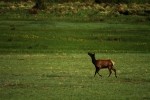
x=101, y=64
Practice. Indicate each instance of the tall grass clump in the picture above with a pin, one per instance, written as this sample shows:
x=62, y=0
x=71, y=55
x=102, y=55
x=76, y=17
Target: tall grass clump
x=132, y=1
x=62, y=1
x=97, y=1
x=102, y=1
x=122, y=1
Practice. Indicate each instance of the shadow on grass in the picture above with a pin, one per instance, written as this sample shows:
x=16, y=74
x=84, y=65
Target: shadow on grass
x=16, y=85
x=54, y=76
x=134, y=81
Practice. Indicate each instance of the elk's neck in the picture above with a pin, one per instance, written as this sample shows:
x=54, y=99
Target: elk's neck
x=93, y=60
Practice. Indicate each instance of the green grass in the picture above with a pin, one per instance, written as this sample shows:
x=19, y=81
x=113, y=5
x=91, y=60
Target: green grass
x=45, y=57
x=70, y=76
x=53, y=36
x=48, y=60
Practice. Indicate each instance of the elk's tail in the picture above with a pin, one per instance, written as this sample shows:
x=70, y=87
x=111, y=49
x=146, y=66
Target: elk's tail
x=113, y=62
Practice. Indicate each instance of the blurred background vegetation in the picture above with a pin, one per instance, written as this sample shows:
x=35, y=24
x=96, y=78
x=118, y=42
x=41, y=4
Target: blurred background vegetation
x=97, y=1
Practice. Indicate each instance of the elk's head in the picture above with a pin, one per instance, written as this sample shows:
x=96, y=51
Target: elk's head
x=92, y=55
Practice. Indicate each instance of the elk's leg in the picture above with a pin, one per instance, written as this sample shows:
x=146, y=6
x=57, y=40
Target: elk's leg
x=109, y=72
x=96, y=71
x=99, y=74
x=115, y=72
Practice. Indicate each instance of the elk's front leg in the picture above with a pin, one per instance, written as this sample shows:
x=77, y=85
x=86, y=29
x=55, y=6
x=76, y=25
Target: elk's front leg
x=96, y=71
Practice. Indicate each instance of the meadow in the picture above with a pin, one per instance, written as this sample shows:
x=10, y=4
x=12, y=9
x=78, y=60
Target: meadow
x=71, y=76
x=44, y=56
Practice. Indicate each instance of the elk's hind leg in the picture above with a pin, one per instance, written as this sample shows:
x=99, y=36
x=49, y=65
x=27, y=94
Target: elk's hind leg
x=115, y=72
x=109, y=72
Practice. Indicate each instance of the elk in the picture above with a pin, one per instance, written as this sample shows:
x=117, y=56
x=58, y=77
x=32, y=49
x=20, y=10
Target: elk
x=102, y=64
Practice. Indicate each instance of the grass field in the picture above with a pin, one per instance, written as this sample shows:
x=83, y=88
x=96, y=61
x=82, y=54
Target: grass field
x=70, y=76
x=52, y=36
x=43, y=57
